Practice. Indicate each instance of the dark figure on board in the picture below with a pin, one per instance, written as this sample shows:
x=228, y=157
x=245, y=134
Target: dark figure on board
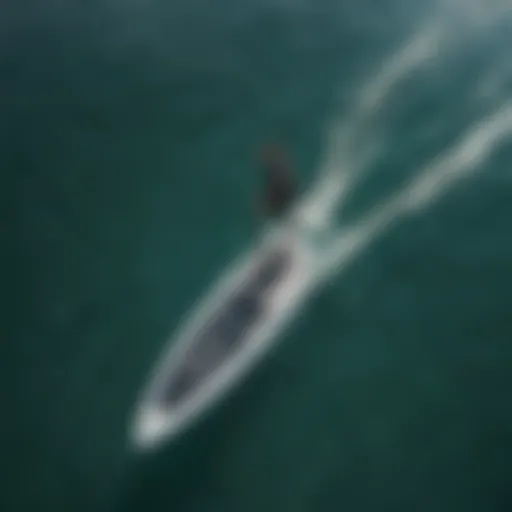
x=279, y=187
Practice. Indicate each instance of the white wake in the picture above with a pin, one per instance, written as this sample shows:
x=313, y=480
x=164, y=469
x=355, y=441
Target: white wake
x=354, y=143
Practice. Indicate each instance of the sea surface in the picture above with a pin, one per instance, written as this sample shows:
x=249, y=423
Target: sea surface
x=129, y=179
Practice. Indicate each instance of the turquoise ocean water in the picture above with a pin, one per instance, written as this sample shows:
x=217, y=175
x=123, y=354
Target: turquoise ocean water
x=130, y=131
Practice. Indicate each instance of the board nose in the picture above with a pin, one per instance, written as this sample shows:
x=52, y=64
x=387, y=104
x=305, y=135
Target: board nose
x=149, y=428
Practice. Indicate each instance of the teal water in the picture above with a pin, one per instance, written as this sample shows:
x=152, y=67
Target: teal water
x=129, y=136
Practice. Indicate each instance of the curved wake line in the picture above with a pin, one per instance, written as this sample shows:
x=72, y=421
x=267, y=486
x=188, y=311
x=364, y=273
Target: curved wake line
x=357, y=140
x=345, y=163
x=466, y=158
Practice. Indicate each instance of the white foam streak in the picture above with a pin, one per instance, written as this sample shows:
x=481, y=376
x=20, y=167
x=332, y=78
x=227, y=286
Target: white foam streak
x=467, y=157
x=356, y=141
x=419, y=50
x=353, y=142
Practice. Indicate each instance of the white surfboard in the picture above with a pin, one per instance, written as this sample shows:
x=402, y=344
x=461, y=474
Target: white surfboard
x=226, y=334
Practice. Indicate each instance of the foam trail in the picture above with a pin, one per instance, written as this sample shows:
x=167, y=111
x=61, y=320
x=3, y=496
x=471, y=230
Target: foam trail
x=356, y=141
x=463, y=160
x=454, y=21
x=347, y=138
x=420, y=49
